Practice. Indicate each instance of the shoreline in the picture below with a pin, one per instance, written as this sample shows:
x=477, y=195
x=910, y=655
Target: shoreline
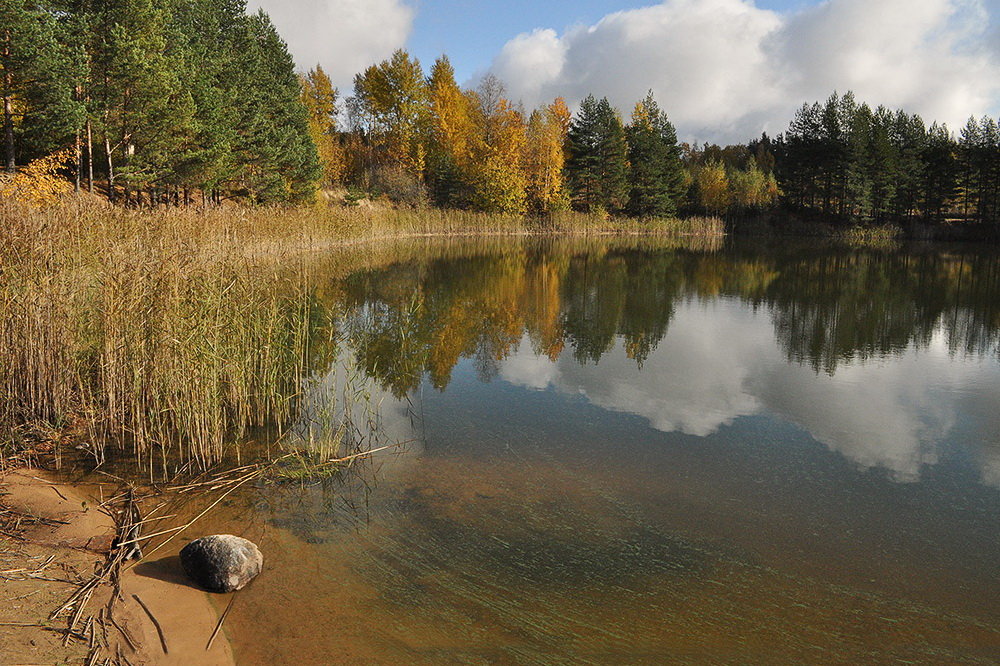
x=63, y=536
x=184, y=607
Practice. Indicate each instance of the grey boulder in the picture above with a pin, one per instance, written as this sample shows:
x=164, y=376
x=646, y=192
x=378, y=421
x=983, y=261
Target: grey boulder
x=221, y=562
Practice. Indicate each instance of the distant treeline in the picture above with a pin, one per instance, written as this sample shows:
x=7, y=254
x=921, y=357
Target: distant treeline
x=421, y=138
x=166, y=100
x=846, y=160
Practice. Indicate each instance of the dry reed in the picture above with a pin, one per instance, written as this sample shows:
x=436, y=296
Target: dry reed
x=173, y=332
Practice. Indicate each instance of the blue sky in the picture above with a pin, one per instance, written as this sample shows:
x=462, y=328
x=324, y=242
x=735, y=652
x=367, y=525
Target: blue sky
x=724, y=70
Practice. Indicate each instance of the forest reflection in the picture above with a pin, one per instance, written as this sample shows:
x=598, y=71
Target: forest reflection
x=421, y=314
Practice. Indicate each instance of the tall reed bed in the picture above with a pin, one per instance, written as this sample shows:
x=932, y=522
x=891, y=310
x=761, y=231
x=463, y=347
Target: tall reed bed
x=174, y=332
x=440, y=222
x=156, y=332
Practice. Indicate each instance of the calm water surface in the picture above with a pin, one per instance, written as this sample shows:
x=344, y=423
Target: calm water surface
x=624, y=452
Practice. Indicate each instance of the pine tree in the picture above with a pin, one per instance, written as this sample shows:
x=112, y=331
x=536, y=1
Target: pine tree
x=596, y=165
x=883, y=164
x=211, y=37
x=37, y=77
x=939, y=184
x=908, y=135
x=278, y=156
x=800, y=168
x=979, y=152
x=837, y=116
x=656, y=175
x=859, y=180
x=146, y=110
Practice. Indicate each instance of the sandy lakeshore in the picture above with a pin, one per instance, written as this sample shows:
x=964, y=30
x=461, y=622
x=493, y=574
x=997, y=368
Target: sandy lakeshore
x=54, y=536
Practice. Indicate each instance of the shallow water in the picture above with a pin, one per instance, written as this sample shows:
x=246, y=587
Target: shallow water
x=629, y=452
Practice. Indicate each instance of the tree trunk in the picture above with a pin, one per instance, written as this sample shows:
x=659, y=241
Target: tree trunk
x=90, y=157
x=78, y=155
x=111, y=169
x=8, y=131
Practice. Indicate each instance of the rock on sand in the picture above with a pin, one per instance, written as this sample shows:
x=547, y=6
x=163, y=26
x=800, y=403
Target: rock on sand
x=221, y=562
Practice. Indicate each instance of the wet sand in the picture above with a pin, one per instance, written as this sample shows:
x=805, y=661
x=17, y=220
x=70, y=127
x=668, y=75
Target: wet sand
x=76, y=536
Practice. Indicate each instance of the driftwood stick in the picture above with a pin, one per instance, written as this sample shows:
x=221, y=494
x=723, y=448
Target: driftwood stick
x=156, y=623
x=178, y=530
x=121, y=630
x=208, y=646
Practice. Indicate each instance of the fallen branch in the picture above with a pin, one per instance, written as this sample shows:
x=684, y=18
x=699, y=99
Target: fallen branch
x=156, y=623
x=208, y=646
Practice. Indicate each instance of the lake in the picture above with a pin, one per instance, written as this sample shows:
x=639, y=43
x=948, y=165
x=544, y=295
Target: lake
x=626, y=451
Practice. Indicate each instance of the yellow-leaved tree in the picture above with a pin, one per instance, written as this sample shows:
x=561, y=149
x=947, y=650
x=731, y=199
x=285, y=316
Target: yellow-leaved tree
x=320, y=99
x=390, y=101
x=452, y=133
x=753, y=189
x=498, y=152
x=545, y=157
x=712, y=182
x=39, y=183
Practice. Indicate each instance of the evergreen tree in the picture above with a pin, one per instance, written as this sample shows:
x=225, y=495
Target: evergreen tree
x=799, y=169
x=859, y=181
x=656, y=177
x=939, y=175
x=908, y=135
x=210, y=36
x=596, y=165
x=883, y=164
x=145, y=107
x=836, y=122
x=979, y=152
x=37, y=79
x=278, y=156
x=893, y=166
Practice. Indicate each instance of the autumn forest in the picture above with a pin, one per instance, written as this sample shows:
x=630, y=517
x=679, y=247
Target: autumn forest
x=196, y=101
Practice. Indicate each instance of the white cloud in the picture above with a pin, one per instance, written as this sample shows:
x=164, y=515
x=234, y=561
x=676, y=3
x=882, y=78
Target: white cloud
x=538, y=58
x=726, y=69
x=344, y=36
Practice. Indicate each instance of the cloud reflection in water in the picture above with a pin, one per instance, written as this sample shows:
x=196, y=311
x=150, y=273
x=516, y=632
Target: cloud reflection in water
x=720, y=361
